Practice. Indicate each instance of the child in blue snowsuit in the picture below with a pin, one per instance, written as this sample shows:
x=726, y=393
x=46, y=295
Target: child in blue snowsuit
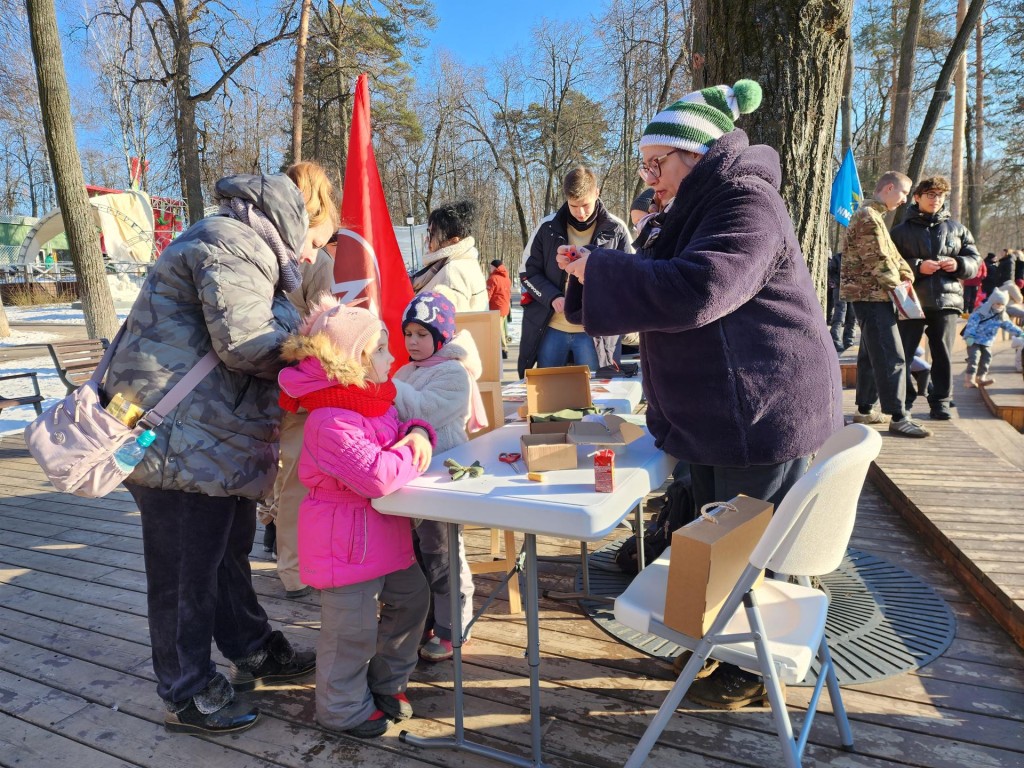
x=979, y=333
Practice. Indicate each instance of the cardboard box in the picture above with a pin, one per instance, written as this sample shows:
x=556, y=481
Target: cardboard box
x=485, y=328
x=553, y=389
x=707, y=559
x=545, y=453
x=490, y=393
x=612, y=430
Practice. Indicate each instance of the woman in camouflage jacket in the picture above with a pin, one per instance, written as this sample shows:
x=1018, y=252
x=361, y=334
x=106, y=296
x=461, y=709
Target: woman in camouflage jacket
x=219, y=286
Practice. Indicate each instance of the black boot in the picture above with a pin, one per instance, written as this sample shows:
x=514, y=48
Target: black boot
x=276, y=662
x=211, y=712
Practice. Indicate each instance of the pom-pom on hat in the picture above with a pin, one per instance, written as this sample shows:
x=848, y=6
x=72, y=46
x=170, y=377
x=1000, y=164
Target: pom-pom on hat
x=347, y=327
x=435, y=313
x=699, y=119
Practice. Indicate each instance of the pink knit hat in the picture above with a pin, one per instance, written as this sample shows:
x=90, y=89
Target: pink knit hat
x=349, y=328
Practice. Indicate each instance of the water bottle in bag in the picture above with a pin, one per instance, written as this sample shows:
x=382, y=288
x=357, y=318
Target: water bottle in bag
x=131, y=453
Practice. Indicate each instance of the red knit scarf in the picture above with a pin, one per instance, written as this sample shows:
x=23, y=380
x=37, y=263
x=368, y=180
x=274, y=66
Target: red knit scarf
x=373, y=400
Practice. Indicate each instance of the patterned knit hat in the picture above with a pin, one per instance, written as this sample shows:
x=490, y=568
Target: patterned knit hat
x=699, y=119
x=435, y=313
x=349, y=328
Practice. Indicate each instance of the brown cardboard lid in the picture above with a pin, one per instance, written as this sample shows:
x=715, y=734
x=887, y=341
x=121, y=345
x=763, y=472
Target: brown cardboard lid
x=614, y=431
x=552, y=389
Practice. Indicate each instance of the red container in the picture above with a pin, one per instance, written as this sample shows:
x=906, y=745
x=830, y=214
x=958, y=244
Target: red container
x=604, y=471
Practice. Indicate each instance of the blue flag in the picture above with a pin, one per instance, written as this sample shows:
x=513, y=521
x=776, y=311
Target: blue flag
x=846, y=192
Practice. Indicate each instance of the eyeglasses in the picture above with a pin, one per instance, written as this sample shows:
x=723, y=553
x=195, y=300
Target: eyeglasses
x=933, y=195
x=651, y=169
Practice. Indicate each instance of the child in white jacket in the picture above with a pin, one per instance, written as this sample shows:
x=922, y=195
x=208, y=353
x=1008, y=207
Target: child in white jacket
x=439, y=386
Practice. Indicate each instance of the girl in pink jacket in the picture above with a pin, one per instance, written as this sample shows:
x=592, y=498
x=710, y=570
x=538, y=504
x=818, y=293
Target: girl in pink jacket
x=356, y=449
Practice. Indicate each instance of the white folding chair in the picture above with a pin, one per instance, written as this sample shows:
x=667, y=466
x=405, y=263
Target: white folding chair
x=776, y=629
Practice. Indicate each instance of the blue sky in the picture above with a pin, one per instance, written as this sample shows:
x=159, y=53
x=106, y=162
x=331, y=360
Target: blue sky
x=480, y=30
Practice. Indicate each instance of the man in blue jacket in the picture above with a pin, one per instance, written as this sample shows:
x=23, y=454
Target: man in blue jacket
x=941, y=252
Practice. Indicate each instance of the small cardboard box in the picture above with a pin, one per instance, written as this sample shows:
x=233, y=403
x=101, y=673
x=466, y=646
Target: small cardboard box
x=708, y=557
x=545, y=453
x=614, y=431
x=553, y=389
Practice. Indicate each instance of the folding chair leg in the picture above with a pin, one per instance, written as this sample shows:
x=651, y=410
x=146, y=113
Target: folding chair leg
x=668, y=707
x=836, y=697
x=776, y=691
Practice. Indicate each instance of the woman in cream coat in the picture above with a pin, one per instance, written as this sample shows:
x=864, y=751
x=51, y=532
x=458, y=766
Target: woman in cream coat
x=452, y=264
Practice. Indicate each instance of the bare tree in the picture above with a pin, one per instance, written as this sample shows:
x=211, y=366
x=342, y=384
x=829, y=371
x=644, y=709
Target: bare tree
x=185, y=34
x=959, y=122
x=976, y=178
x=904, y=86
x=55, y=101
x=797, y=49
x=940, y=94
x=298, y=85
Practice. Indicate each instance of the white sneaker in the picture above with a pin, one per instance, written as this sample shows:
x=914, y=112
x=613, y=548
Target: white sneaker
x=875, y=417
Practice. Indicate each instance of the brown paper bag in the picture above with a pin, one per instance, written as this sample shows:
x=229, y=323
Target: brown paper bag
x=708, y=556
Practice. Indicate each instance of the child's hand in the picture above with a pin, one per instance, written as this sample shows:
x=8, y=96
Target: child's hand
x=422, y=451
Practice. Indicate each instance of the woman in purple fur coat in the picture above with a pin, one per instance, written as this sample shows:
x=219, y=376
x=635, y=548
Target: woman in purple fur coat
x=740, y=373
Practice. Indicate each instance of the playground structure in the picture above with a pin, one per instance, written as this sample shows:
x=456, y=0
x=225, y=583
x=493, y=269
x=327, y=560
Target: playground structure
x=133, y=226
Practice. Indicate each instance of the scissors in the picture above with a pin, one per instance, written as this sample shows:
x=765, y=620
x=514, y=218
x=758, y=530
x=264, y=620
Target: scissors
x=511, y=459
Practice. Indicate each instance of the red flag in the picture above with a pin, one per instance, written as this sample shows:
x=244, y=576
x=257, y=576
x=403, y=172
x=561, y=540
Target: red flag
x=367, y=262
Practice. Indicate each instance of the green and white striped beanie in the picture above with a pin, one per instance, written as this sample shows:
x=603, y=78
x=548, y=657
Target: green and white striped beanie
x=699, y=119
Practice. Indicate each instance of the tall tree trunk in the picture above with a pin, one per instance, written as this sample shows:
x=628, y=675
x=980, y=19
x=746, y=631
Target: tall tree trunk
x=959, y=121
x=977, y=188
x=904, y=86
x=796, y=50
x=55, y=101
x=941, y=93
x=298, y=86
x=846, y=100
x=185, y=116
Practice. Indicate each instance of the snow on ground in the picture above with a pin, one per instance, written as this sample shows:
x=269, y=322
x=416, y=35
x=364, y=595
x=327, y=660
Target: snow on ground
x=50, y=386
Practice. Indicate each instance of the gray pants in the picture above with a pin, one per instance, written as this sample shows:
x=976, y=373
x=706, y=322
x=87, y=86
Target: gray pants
x=979, y=357
x=432, y=546
x=357, y=655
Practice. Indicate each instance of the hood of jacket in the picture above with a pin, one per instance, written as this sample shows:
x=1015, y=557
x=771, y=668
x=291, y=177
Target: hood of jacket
x=277, y=197
x=319, y=365
x=733, y=157
x=463, y=349
x=464, y=249
x=500, y=271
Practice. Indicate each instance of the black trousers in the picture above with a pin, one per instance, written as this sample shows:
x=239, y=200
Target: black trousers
x=939, y=325
x=769, y=482
x=198, y=584
x=881, y=366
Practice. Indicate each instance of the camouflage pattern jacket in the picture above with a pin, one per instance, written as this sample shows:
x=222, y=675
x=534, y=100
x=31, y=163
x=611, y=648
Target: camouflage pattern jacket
x=215, y=287
x=871, y=264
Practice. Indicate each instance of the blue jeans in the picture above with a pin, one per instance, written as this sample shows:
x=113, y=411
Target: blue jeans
x=556, y=345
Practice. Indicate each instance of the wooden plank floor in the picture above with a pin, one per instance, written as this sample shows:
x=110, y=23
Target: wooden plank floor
x=76, y=682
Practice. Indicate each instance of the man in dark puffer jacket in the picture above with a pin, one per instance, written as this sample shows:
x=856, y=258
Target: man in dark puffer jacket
x=941, y=252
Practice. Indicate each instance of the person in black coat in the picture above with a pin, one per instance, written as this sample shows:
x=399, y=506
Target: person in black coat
x=941, y=252
x=548, y=337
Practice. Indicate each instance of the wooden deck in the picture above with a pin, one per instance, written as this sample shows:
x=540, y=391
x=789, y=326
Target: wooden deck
x=76, y=685
x=1005, y=396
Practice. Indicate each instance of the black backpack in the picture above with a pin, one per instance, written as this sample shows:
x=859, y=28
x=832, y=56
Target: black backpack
x=676, y=511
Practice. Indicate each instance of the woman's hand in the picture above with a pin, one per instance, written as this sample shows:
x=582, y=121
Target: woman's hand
x=577, y=268
x=422, y=451
x=570, y=253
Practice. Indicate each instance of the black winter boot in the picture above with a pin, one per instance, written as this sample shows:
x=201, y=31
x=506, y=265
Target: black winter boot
x=210, y=712
x=276, y=662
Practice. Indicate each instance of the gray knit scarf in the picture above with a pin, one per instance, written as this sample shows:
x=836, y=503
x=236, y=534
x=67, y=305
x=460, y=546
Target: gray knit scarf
x=251, y=216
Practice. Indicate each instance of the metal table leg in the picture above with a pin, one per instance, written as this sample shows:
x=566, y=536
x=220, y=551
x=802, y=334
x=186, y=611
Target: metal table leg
x=458, y=741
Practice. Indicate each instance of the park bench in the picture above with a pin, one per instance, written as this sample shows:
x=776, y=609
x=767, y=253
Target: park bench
x=76, y=360
x=35, y=399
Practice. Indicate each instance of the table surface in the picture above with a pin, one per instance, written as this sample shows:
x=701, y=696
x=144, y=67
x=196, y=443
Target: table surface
x=564, y=505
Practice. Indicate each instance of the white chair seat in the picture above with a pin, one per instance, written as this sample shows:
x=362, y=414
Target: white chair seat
x=793, y=616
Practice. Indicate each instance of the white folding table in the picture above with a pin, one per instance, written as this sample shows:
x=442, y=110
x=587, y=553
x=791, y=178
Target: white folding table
x=566, y=505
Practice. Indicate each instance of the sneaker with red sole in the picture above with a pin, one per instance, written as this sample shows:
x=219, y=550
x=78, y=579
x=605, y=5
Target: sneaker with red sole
x=438, y=649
